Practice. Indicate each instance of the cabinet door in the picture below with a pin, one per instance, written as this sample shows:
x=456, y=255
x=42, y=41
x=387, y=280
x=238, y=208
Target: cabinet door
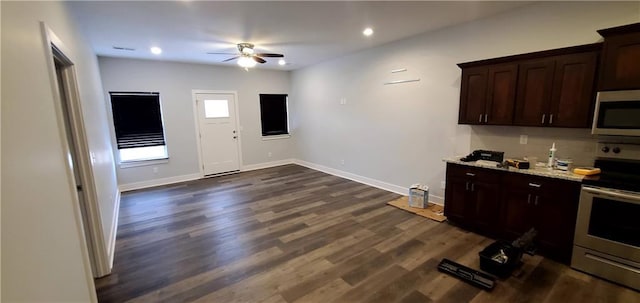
x=621, y=62
x=456, y=200
x=517, y=213
x=573, y=90
x=501, y=93
x=535, y=81
x=556, y=210
x=473, y=95
x=486, y=206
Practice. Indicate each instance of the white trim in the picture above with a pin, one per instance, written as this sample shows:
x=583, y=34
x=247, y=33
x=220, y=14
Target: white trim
x=92, y=241
x=125, y=165
x=194, y=104
x=364, y=180
x=276, y=137
x=158, y=182
x=114, y=230
x=267, y=164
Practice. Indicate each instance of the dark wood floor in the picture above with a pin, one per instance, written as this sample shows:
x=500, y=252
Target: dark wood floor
x=291, y=234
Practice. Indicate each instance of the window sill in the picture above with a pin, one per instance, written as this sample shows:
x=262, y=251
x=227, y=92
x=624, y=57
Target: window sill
x=276, y=137
x=143, y=163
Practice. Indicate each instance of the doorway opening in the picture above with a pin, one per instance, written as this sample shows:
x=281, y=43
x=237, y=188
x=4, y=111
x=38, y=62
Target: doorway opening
x=69, y=112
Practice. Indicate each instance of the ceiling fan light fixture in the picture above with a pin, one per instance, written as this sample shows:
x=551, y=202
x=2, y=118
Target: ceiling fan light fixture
x=367, y=31
x=246, y=62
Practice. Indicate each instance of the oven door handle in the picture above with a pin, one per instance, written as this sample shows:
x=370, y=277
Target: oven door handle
x=613, y=194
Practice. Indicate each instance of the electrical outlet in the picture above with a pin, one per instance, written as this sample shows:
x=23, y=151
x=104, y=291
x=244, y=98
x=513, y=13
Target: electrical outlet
x=342, y=162
x=443, y=184
x=524, y=139
x=155, y=169
x=269, y=154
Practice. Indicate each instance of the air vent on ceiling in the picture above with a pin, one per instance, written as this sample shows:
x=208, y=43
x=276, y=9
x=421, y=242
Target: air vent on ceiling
x=124, y=48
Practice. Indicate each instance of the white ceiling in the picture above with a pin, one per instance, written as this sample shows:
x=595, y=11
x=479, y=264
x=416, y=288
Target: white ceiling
x=305, y=32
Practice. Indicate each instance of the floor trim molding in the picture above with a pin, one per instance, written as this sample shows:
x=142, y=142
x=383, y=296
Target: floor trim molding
x=364, y=180
x=332, y=171
x=267, y=164
x=158, y=182
x=111, y=249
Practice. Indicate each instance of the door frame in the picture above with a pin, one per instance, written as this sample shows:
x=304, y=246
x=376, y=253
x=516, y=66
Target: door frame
x=194, y=104
x=91, y=235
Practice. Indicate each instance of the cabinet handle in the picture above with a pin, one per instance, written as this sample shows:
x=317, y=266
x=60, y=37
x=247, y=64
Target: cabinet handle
x=551, y=119
x=529, y=199
x=534, y=185
x=543, y=116
x=471, y=174
x=480, y=118
x=536, y=203
x=486, y=118
x=466, y=186
x=473, y=188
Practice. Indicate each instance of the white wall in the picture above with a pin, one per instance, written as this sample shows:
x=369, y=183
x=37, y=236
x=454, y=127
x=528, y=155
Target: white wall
x=175, y=82
x=44, y=256
x=399, y=133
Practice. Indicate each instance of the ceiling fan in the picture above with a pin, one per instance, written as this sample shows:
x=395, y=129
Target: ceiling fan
x=247, y=57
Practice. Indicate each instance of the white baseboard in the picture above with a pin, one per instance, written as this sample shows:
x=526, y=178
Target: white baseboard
x=267, y=164
x=401, y=190
x=111, y=249
x=158, y=182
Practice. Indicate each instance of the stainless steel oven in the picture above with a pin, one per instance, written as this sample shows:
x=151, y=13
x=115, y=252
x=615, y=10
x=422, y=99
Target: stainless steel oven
x=617, y=113
x=607, y=235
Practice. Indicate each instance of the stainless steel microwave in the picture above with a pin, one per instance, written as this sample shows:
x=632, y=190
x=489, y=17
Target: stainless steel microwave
x=617, y=113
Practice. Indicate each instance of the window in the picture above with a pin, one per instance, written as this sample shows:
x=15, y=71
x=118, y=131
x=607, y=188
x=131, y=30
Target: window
x=273, y=114
x=137, y=119
x=216, y=109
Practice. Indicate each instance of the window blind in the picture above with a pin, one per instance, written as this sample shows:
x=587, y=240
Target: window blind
x=273, y=114
x=137, y=119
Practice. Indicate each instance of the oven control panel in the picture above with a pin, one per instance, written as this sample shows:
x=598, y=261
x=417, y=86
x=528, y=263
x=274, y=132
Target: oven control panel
x=618, y=150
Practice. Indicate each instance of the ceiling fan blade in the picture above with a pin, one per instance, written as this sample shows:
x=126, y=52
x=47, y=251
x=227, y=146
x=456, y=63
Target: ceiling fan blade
x=232, y=58
x=270, y=55
x=258, y=59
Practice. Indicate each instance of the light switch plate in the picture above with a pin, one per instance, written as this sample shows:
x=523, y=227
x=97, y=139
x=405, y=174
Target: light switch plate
x=524, y=139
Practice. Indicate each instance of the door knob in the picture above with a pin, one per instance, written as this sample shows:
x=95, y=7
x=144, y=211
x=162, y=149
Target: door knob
x=235, y=137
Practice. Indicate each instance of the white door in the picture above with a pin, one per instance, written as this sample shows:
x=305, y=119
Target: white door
x=218, y=133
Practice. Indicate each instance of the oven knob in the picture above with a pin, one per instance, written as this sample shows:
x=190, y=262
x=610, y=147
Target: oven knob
x=616, y=150
x=605, y=149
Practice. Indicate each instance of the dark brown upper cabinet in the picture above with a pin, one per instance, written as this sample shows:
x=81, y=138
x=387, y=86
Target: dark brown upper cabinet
x=573, y=94
x=620, y=58
x=535, y=81
x=556, y=91
x=486, y=94
x=548, y=88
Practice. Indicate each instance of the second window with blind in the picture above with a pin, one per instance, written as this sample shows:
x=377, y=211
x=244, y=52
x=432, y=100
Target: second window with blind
x=137, y=120
x=274, y=115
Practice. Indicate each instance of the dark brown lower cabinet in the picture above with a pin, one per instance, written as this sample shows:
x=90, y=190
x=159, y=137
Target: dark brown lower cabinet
x=474, y=194
x=512, y=203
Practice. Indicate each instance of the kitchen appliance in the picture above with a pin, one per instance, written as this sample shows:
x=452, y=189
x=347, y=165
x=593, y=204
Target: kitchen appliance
x=607, y=235
x=617, y=113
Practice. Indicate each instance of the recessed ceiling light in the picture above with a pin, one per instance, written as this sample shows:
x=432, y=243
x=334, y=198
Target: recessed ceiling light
x=282, y=62
x=367, y=31
x=156, y=50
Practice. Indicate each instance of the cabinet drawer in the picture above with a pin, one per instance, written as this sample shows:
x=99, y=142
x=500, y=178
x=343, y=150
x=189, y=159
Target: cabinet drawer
x=536, y=183
x=473, y=173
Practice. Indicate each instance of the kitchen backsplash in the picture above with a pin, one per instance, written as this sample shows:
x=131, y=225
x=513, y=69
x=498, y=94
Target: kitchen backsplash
x=576, y=144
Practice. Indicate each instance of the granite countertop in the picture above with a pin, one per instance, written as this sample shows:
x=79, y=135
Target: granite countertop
x=537, y=171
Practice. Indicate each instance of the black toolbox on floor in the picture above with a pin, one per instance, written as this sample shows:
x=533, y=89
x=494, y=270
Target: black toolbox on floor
x=500, y=258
